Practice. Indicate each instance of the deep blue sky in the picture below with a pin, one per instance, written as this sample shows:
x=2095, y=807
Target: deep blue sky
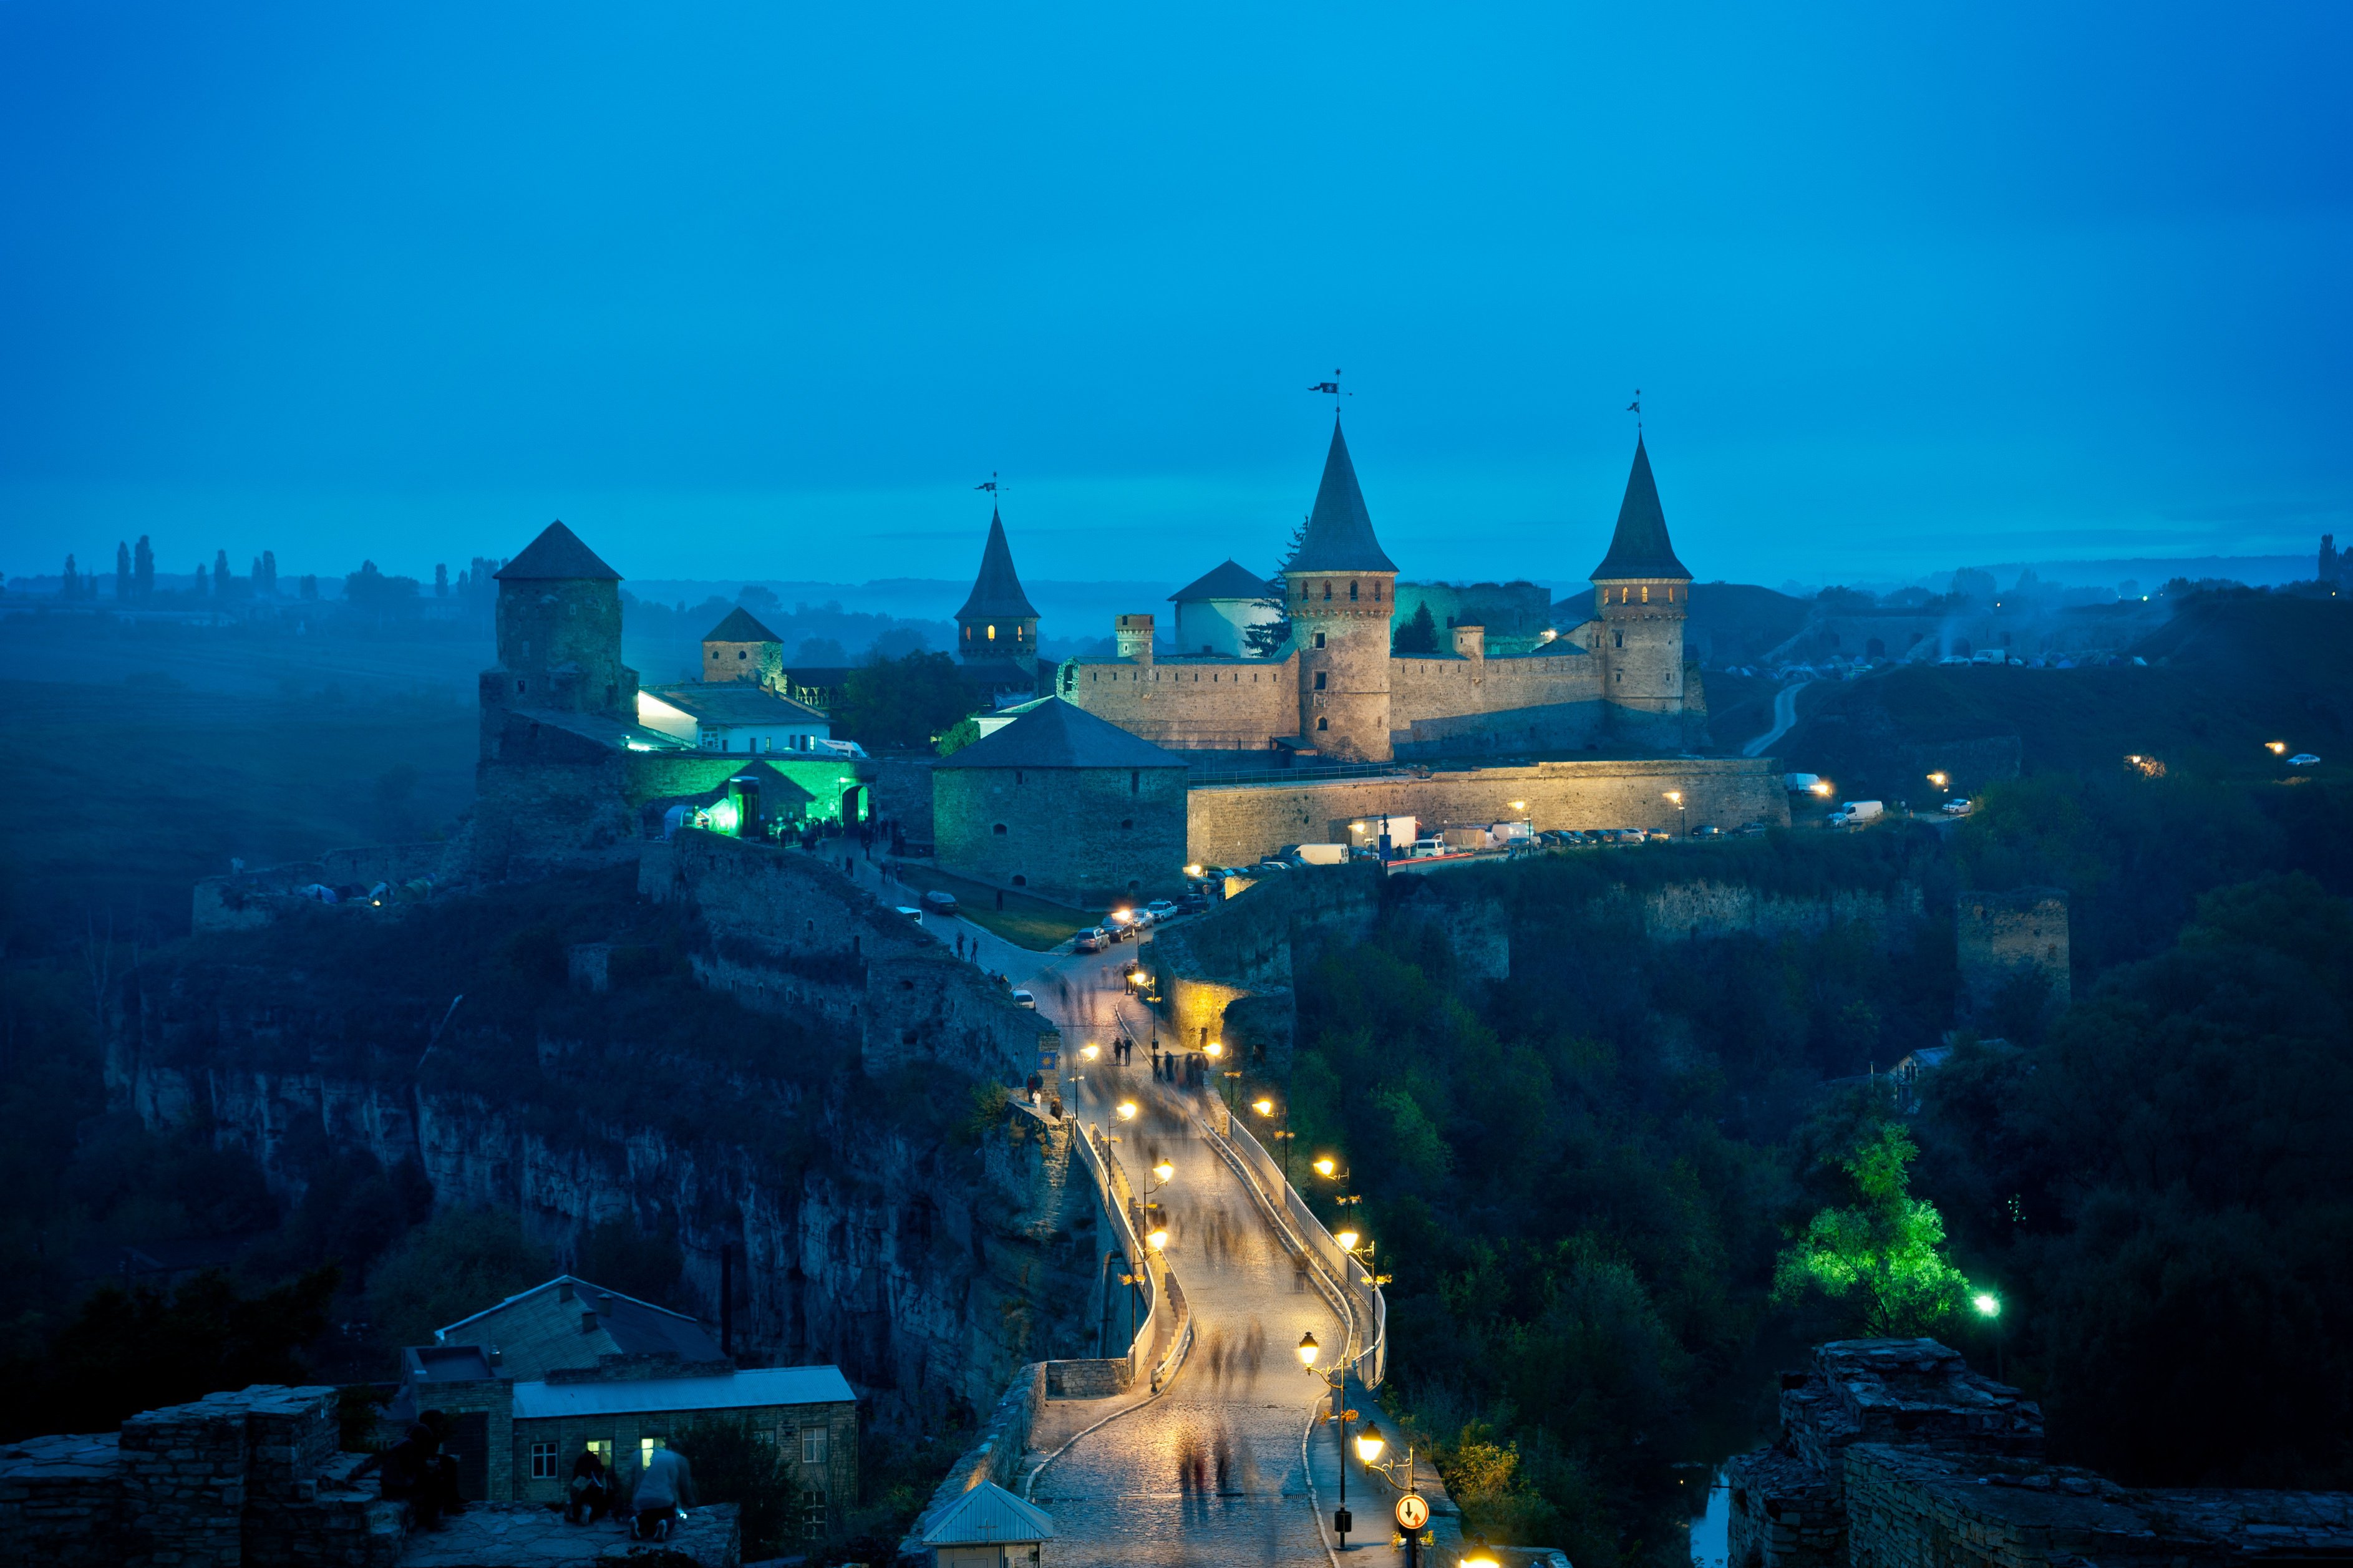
x=750, y=290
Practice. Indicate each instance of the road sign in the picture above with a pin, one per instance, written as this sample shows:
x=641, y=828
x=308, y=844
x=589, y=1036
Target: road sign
x=1412, y=1512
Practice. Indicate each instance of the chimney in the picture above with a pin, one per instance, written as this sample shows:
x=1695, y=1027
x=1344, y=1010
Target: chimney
x=1134, y=634
x=587, y=1322
x=1471, y=641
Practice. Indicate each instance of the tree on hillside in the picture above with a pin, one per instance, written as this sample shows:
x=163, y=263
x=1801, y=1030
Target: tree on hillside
x=893, y=703
x=1883, y=1256
x=451, y=1267
x=1419, y=635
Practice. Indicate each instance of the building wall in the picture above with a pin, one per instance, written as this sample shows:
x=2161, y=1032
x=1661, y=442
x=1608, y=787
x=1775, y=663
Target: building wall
x=1238, y=705
x=1999, y=935
x=759, y=662
x=1081, y=835
x=835, y=1475
x=1340, y=627
x=1641, y=644
x=993, y=640
x=559, y=647
x=1239, y=822
x=1218, y=626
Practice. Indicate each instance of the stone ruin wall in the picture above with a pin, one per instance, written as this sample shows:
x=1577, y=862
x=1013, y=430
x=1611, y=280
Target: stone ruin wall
x=1997, y=936
x=1690, y=911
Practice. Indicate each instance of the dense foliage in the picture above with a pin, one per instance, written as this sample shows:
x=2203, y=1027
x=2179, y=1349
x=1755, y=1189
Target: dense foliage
x=905, y=702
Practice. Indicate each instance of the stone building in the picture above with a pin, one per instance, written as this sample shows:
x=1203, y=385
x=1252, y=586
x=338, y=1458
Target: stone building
x=1894, y=1454
x=1338, y=689
x=741, y=648
x=2001, y=937
x=1065, y=804
x=1215, y=613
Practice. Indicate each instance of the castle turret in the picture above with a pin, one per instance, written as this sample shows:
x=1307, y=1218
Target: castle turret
x=997, y=623
x=1642, y=592
x=1340, y=587
x=559, y=634
x=741, y=648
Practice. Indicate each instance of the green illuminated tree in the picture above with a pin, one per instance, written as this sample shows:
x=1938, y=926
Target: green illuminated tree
x=1884, y=1257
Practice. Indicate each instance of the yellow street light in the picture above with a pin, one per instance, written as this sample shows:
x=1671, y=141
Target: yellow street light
x=1192, y=870
x=1369, y=1443
x=1518, y=805
x=1478, y=1563
x=1348, y=1240
x=1215, y=1049
x=1091, y=1052
x=1263, y=1106
x=1164, y=1170
x=1939, y=780
x=1308, y=1351
x=1127, y=1111
x=2276, y=748
x=1156, y=1240
x=1676, y=796
x=1326, y=1165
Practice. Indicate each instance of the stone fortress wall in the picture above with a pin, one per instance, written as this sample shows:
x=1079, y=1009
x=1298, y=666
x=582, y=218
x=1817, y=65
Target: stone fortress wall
x=1233, y=823
x=1076, y=834
x=1196, y=703
x=1894, y=1454
x=2001, y=936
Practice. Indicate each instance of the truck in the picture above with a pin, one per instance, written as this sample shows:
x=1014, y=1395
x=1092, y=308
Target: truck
x=1464, y=837
x=1862, y=810
x=1322, y=854
x=1798, y=783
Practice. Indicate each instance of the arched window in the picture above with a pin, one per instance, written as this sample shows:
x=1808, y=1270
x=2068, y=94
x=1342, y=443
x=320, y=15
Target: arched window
x=1135, y=782
x=1328, y=593
x=1323, y=723
x=1646, y=592
x=999, y=830
x=992, y=632
x=1352, y=592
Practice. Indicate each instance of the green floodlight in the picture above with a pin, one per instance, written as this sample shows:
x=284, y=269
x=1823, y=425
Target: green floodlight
x=1987, y=1303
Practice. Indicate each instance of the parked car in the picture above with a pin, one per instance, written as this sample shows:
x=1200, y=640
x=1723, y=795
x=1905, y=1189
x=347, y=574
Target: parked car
x=1749, y=829
x=1160, y=910
x=1095, y=939
x=1707, y=830
x=1271, y=864
x=2302, y=759
x=1192, y=904
x=912, y=913
x=939, y=904
x=1023, y=999
x=1959, y=807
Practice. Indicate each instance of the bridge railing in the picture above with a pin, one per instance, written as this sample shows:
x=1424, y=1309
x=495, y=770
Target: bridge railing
x=1365, y=1298
x=1120, y=1206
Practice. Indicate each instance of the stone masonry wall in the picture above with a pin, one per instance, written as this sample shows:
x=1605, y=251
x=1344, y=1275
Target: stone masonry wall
x=1997, y=936
x=1086, y=836
x=1239, y=822
x=1692, y=910
x=1234, y=705
x=1441, y=686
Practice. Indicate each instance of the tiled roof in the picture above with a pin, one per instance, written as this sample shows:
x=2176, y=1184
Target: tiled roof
x=734, y=702
x=1640, y=547
x=1339, y=536
x=1060, y=734
x=741, y=625
x=997, y=592
x=557, y=555
x=1230, y=581
x=727, y=1390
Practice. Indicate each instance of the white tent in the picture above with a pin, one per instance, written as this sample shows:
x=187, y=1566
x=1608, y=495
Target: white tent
x=989, y=1527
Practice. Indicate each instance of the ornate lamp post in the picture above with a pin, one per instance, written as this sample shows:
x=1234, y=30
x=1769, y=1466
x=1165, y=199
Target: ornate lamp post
x=1336, y=1380
x=1412, y=1510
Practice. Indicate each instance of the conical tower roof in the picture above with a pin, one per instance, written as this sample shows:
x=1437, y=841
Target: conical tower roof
x=996, y=592
x=557, y=555
x=1339, y=535
x=1640, y=548
x=741, y=625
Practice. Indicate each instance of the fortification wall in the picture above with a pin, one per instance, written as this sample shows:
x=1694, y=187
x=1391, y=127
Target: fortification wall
x=1237, y=823
x=1237, y=705
x=795, y=936
x=1081, y=836
x=1685, y=910
x=2001, y=936
x=1444, y=686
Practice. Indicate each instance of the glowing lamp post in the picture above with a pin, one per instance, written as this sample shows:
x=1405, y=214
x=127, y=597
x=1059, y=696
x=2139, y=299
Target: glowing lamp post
x=1681, y=816
x=1939, y=780
x=1336, y=1380
x=1126, y=1110
x=1989, y=1307
x=1412, y=1510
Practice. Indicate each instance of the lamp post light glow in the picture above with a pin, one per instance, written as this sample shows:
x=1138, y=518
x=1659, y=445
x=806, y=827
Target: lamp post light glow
x=1308, y=1351
x=1326, y=1165
x=1157, y=1240
x=1369, y=1443
x=1939, y=780
x=1989, y=1307
x=2276, y=748
x=1214, y=1050
x=1164, y=1171
x=1348, y=1240
x=1127, y=1111
x=1264, y=1106
x=1091, y=1052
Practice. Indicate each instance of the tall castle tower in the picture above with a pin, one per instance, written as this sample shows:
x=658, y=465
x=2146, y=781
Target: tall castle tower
x=1642, y=594
x=1341, y=588
x=997, y=623
x=559, y=637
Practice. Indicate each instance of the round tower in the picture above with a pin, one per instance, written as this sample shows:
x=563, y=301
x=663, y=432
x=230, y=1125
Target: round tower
x=559, y=630
x=997, y=623
x=1340, y=588
x=1641, y=595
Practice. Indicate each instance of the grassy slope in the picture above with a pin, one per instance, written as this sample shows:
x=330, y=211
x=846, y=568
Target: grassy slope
x=1024, y=922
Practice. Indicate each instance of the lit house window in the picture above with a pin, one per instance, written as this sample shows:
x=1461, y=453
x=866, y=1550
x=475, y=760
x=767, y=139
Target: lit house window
x=645, y=1446
x=992, y=634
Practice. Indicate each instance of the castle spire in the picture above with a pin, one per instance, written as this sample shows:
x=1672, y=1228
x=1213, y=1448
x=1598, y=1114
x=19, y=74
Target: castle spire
x=1640, y=548
x=1339, y=536
x=997, y=592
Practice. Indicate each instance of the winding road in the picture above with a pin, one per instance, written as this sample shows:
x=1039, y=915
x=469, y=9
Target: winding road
x=1785, y=717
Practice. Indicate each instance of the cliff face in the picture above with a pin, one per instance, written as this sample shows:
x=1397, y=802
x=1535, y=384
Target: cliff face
x=875, y=1229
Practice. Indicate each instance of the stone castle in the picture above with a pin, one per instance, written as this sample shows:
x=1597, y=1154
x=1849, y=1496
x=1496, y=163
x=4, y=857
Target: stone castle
x=1337, y=687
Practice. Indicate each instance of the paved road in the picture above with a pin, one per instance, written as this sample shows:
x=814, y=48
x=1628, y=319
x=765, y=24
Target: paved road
x=1784, y=716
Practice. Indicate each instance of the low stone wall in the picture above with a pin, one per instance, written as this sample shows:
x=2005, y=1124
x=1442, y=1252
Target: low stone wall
x=249, y=1478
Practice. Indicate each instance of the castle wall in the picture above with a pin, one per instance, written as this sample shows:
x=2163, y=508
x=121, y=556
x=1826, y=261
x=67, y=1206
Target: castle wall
x=1443, y=686
x=1237, y=705
x=1081, y=835
x=1239, y=823
x=1997, y=936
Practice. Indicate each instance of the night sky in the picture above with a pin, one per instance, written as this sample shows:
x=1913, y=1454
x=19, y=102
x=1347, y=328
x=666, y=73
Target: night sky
x=765, y=291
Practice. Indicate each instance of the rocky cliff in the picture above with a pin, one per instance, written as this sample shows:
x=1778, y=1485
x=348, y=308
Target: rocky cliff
x=885, y=1223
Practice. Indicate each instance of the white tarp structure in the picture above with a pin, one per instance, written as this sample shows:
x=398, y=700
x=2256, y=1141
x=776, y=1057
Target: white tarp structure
x=993, y=1519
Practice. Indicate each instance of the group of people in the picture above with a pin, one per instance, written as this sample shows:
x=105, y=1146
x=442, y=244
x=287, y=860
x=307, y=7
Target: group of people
x=1190, y=1070
x=415, y=1470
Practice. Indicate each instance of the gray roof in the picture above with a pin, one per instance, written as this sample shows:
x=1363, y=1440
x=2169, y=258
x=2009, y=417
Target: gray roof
x=1339, y=535
x=997, y=592
x=447, y=1363
x=1058, y=733
x=734, y=702
x=987, y=1515
x=1230, y=581
x=636, y=1327
x=1640, y=547
x=614, y=732
x=557, y=555
x=741, y=625
x=727, y=1390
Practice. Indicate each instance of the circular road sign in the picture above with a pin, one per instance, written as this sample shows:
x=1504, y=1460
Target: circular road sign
x=1412, y=1512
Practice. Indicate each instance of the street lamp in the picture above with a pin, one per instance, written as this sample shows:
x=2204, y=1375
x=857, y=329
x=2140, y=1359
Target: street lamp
x=1681, y=816
x=1939, y=779
x=2276, y=748
x=1127, y=1111
x=1264, y=1106
x=1347, y=1239
x=1988, y=1306
x=1157, y=1240
x=1412, y=1511
x=1091, y=1051
x=1326, y=1165
x=1337, y=1380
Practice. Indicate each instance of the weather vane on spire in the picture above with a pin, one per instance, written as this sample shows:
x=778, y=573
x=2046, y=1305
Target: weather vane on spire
x=1333, y=387
x=990, y=484
x=1635, y=408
